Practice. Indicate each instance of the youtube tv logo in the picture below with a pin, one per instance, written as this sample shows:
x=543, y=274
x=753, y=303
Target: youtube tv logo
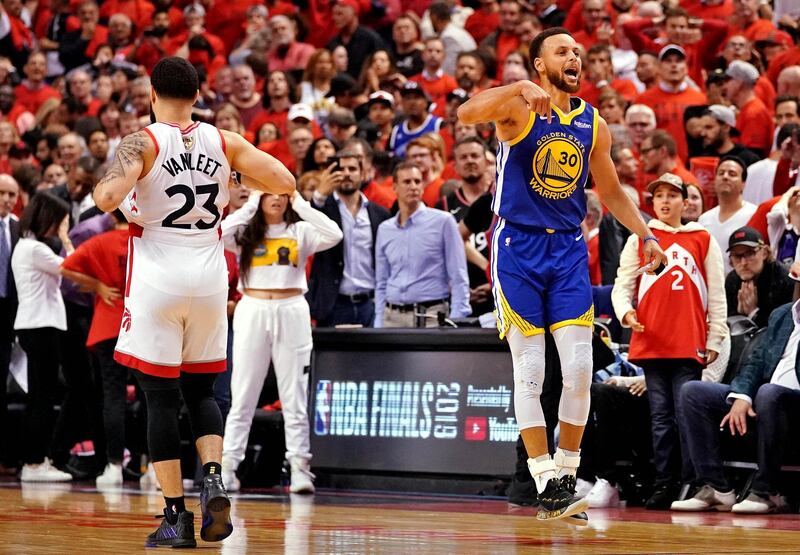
x=475, y=428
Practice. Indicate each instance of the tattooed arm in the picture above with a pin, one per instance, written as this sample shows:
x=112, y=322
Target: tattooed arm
x=266, y=173
x=125, y=169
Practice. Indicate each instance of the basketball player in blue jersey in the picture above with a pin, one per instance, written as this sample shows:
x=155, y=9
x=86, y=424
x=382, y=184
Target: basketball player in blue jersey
x=549, y=142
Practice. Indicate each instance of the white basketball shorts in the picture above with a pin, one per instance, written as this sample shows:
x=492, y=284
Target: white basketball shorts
x=175, y=317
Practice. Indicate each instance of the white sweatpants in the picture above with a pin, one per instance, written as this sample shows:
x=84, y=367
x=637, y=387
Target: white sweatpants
x=264, y=330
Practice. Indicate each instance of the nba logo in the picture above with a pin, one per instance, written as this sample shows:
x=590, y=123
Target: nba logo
x=322, y=412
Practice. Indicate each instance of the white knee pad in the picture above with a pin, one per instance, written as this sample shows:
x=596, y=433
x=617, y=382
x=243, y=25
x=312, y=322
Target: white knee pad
x=528, y=356
x=575, y=351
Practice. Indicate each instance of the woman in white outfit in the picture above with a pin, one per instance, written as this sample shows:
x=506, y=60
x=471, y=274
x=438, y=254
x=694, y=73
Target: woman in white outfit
x=272, y=322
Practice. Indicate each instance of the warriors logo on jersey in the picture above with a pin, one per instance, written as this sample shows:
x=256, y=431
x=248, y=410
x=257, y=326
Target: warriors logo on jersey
x=557, y=165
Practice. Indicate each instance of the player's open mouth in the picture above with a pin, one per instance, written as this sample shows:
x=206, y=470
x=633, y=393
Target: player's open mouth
x=571, y=72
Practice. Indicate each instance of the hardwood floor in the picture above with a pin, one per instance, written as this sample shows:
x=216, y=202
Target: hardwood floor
x=58, y=519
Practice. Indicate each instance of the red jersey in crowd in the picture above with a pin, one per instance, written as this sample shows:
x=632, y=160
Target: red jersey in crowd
x=103, y=257
x=480, y=24
x=438, y=86
x=680, y=291
x=669, y=108
x=139, y=11
x=32, y=99
x=756, y=125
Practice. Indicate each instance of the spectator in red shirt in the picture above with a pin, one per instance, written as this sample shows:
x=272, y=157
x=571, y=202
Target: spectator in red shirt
x=17, y=41
x=700, y=38
x=749, y=19
x=483, y=20
x=505, y=39
x=599, y=75
x=139, y=12
x=739, y=48
x=99, y=265
x=659, y=155
x=244, y=95
x=32, y=92
x=80, y=47
x=280, y=96
x=79, y=87
x=433, y=79
x=120, y=35
x=789, y=81
x=597, y=24
x=772, y=44
x=287, y=53
x=672, y=95
x=754, y=119
x=647, y=68
x=151, y=45
x=640, y=120
x=194, y=19
x=13, y=112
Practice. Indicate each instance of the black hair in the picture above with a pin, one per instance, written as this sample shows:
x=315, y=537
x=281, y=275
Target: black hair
x=308, y=162
x=175, y=78
x=535, y=50
x=786, y=131
x=44, y=213
x=254, y=234
x=470, y=139
x=294, y=98
x=787, y=98
x=404, y=165
x=732, y=158
x=440, y=10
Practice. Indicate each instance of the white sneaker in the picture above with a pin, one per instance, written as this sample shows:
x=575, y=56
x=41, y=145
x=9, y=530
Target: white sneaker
x=302, y=478
x=149, y=479
x=754, y=504
x=707, y=499
x=111, y=476
x=44, y=472
x=583, y=487
x=603, y=495
x=231, y=482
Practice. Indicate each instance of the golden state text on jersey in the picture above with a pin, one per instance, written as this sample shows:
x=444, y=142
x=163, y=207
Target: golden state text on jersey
x=541, y=174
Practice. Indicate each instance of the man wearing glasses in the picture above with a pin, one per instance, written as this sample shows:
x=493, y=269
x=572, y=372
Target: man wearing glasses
x=758, y=283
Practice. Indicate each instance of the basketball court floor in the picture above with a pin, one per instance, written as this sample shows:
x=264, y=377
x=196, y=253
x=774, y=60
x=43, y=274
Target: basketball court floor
x=58, y=519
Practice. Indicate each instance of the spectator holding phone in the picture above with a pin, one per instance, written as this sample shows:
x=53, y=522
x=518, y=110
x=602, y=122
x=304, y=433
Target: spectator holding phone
x=679, y=321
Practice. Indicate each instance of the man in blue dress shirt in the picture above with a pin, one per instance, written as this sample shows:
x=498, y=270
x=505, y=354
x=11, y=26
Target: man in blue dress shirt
x=421, y=267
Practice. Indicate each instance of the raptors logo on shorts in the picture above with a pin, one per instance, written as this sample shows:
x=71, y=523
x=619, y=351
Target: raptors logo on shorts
x=176, y=289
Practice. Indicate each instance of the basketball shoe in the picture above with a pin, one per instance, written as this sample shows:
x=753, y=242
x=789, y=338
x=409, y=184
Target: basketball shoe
x=555, y=500
x=215, y=506
x=302, y=478
x=44, y=472
x=179, y=534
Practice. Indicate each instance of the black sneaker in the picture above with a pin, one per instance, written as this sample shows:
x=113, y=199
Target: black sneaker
x=216, y=509
x=556, y=502
x=570, y=484
x=522, y=494
x=662, y=498
x=180, y=534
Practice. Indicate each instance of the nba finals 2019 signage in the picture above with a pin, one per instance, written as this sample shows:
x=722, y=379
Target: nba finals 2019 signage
x=453, y=417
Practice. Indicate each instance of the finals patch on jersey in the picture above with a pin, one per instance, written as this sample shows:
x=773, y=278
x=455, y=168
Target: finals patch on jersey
x=276, y=252
x=188, y=142
x=557, y=165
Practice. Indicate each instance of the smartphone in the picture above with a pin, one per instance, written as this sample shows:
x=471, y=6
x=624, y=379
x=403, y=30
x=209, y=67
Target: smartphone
x=334, y=160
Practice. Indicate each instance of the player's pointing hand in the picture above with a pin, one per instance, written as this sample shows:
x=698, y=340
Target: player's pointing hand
x=653, y=256
x=538, y=99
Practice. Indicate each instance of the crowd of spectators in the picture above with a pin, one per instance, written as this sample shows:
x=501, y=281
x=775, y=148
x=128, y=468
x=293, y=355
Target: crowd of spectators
x=358, y=99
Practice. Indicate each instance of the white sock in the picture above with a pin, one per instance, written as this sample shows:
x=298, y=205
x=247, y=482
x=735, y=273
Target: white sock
x=543, y=469
x=567, y=462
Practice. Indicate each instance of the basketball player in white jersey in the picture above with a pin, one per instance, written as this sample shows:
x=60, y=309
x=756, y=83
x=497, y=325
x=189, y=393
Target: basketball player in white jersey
x=171, y=181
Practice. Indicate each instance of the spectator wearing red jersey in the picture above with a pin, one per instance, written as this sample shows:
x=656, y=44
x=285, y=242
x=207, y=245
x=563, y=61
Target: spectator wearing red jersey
x=99, y=266
x=772, y=44
x=79, y=47
x=599, y=75
x=33, y=91
x=659, y=155
x=151, y=44
x=739, y=48
x=287, y=53
x=245, y=97
x=677, y=330
x=672, y=95
x=433, y=78
x=13, y=112
x=483, y=20
x=749, y=21
x=120, y=35
x=280, y=95
x=709, y=9
x=506, y=38
x=140, y=12
x=597, y=24
x=233, y=20
x=194, y=20
x=16, y=39
x=700, y=38
x=753, y=120
x=79, y=87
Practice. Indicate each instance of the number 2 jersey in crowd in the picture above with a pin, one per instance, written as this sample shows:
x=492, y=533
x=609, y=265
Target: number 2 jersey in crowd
x=539, y=260
x=176, y=286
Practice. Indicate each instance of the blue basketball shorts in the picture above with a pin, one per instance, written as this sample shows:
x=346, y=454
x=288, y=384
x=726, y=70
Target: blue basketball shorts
x=540, y=278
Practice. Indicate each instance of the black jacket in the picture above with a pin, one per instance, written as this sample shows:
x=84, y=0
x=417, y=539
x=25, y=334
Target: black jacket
x=774, y=288
x=8, y=306
x=61, y=192
x=328, y=267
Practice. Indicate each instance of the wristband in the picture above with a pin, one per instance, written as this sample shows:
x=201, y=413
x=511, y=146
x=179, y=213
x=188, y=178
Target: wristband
x=650, y=238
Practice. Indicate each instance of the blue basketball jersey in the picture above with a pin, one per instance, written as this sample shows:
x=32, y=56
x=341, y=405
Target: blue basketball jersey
x=541, y=174
x=401, y=136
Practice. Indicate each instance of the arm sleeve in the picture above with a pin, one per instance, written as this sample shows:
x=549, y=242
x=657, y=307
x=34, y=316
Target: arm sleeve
x=717, y=303
x=381, y=276
x=624, y=285
x=456, y=262
x=45, y=260
x=325, y=232
x=236, y=221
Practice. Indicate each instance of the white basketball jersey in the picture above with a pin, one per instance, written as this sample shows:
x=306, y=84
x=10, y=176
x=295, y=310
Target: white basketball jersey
x=187, y=188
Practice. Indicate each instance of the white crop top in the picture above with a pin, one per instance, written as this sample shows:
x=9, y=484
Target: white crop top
x=280, y=261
